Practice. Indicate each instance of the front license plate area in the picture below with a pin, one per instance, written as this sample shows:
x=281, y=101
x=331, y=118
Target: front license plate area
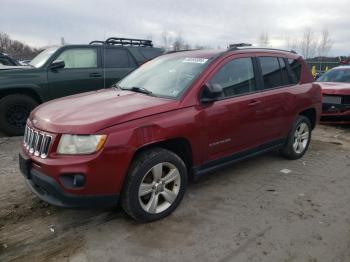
x=25, y=165
x=332, y=100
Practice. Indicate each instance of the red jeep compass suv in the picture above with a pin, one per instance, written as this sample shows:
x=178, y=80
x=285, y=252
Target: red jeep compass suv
x=178, y=116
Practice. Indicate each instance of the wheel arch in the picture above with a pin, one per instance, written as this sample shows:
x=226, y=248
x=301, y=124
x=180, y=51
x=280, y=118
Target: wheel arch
x=179, y=145
x=29, y=91
x=310, y=113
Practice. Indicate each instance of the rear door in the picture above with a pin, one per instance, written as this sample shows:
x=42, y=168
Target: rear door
x=82, y=72
x=117, y=63
x=278, y=110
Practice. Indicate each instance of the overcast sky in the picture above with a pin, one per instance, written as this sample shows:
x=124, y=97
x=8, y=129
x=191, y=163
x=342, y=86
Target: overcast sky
x=210, y=23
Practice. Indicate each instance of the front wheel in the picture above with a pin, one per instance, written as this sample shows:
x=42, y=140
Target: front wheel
x=298, y=139
x=14, y=111
x=155, y=185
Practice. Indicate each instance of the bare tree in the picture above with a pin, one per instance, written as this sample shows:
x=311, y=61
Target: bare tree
x=308, y=43
x=16, y=48
x=264, y=39
x=291, y=43
x=325, y=43
x=179, y=42
x=165, y=41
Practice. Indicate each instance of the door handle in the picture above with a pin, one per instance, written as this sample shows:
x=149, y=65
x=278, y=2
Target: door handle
x=95, y=74
x=254, y=102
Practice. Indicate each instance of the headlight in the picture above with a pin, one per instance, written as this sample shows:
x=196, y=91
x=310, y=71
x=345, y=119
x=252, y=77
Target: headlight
x=80, y=144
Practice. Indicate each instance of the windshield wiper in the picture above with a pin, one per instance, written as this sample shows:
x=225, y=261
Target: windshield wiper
x=141, y=90
x=116, y=86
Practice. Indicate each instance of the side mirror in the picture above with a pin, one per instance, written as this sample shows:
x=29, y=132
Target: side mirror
x=57, y=64
x=211, y=92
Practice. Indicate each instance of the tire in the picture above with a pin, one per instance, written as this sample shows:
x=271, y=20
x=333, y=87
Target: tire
x=14, y=111
x=146, y=169
x=298, y=139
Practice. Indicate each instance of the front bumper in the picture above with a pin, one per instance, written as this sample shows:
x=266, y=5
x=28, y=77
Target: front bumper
x=335, y=114
x=47, y=189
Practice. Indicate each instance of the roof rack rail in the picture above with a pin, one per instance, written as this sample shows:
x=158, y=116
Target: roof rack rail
x=236, y=46
x=124, y=42
x=96, y=42
x=177, y=51
x=233, y=47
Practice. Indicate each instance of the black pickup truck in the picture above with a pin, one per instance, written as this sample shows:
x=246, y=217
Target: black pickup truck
x=67, y=70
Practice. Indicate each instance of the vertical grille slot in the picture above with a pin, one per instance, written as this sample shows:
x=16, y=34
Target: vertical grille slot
x=36, y=142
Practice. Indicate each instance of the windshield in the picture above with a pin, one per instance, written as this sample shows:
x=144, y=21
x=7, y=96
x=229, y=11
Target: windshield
x=41, y=58
x=336, y=75
x=165, y=76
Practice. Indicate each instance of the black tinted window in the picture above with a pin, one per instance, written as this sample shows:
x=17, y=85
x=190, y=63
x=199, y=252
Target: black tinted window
x=295, y=67
x=150, y=53
x=117, y=58
x=284, y=71
x=236, y=77
x=271, y=72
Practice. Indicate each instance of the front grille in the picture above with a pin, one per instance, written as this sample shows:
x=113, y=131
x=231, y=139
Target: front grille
x=346, y=100
x=36, y=142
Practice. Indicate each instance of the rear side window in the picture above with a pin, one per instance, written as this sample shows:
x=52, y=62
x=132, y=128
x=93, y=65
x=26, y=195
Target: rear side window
x=284, y=71
x=295, y=73
x=117, y=58
x=236, y=77
x=271, y=72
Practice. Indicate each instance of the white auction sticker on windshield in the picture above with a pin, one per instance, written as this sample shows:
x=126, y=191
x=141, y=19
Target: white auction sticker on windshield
x=196, y=60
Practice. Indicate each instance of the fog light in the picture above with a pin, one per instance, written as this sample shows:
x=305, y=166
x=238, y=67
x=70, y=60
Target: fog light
x=72, y=181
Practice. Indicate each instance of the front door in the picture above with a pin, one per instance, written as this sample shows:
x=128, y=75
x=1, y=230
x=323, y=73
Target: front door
x=82, y=72
x=233, y=123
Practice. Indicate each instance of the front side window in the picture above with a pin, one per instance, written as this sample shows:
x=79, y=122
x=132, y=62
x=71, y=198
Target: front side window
x=336, y=75
x=271, y=72
x=79, y=58
x=165, y=76
x=236, y=77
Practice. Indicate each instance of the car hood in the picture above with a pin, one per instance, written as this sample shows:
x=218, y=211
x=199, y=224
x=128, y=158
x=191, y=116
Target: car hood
x=91, y=112
x=335, y=88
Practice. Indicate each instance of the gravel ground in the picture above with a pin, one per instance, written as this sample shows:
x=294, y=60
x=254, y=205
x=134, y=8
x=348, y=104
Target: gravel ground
x=249, y=212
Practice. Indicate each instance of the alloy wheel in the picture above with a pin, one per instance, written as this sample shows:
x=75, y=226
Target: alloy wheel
x=159, y=188
x=301, y=138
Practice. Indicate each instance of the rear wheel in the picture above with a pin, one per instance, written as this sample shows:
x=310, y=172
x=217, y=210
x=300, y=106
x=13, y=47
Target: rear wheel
x=155, y=185
x=299, y=139
x=14, y=111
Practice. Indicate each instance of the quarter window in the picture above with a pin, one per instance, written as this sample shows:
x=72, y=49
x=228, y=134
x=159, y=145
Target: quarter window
x=236, y=77
x=271, y=72
x=79, y=58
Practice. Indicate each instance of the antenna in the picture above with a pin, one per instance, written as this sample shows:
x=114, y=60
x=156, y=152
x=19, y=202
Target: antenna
x=104, y=61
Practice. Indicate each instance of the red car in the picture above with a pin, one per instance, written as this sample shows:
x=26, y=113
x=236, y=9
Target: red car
x=335, y=86
x=178, y=116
